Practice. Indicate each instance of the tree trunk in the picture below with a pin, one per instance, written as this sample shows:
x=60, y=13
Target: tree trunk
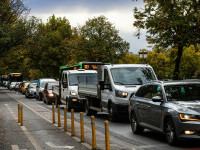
x=177, y=63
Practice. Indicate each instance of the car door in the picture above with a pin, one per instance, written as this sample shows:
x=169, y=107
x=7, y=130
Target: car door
x=157, y=108
x=144, y=109
x=107, y=88
x=45, y=91
x=64, y=86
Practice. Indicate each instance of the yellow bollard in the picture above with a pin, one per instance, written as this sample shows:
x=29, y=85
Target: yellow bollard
x=107, y=135
x=22, y=123
x=65, y=119
x=72, y=123
x=59, y=123
x=53, y=113
x=82, y=126
x=19, y=113
x=94, y=145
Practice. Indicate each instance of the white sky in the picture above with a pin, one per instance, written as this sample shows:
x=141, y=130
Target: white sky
x=118, y=12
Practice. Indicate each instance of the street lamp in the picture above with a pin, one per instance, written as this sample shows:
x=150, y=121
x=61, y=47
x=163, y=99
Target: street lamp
x=143, y=55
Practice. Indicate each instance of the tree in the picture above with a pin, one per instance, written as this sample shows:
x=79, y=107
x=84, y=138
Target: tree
x=100, y=41
x=14, y=28
x=170, y=23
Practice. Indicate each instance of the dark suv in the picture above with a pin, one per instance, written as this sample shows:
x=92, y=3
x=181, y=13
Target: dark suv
x=169, y=107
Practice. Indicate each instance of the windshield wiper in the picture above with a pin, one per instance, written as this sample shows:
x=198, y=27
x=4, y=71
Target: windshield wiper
x=120, y=83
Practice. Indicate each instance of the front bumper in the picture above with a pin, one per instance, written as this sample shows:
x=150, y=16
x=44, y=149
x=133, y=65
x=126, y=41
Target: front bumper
x=121, y=109
x=181, y=127
x=76, y=102
x=32, y=94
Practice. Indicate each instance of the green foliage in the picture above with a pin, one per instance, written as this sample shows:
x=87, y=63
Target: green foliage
x=130, y=58
x=170, y=23
x=100, y=41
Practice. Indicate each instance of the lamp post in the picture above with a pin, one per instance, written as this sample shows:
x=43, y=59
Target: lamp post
x=143, y=55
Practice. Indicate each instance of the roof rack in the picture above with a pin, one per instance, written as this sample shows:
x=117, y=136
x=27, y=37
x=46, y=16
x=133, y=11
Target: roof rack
x=158, y=81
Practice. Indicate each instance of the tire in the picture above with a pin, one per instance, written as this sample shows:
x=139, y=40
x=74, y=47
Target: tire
x=44, y=100
x=170, y=132
x=88, y=111
x=136, y=128
x=112, y=114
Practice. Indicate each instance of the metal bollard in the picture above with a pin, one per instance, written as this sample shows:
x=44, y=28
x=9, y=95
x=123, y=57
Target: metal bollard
x=94, y=145
x=65, y=119
x=59, y=122
x=53, y=113
x=72, y=123
x=107, y=135
x=19, y=113
x=21, y=119
x=82, y=126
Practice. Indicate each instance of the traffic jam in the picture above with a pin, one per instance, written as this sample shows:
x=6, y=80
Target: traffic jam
x=128, y=97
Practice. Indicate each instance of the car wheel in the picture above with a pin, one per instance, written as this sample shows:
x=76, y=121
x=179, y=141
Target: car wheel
x=112, y=115
x=170, y=132
x=136, y=128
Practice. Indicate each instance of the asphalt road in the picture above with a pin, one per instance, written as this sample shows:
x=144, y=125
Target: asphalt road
x=37, y=121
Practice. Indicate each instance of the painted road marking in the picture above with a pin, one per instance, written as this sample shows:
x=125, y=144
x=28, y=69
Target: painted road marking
x=31, y=139
x=59, y=147
x=15, y=147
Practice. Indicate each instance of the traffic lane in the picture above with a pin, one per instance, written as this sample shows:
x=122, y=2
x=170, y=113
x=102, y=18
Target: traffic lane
x=123, y=131
x=11, y=133
x=45, y=134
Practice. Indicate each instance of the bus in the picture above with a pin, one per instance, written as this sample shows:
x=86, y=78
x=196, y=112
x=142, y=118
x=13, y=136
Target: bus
x=15, y=77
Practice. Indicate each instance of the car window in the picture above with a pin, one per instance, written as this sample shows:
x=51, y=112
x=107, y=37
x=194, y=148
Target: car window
x=157, y=91
x=141, y=91
x=185, y=92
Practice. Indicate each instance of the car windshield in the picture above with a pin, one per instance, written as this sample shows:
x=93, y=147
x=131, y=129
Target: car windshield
x=74, y=79
x=26, y=84
x=32, y=85
x=186, y=92
x=51, y=85
x=132, y=75
x=43, y=84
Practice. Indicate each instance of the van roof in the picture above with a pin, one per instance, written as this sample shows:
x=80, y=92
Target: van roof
x=127, y=65
x=80, y=71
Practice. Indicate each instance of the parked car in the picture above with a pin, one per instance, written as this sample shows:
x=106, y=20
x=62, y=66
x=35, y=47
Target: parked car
x=169, y=107
x=40, y=87
x=12, y=85
x=20, y=87
x=24, y=86
x=31, y=90
x=16, y=86
x=48, y=96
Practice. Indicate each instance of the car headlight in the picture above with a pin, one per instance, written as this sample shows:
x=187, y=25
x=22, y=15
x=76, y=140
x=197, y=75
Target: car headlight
x=189, y=117
x=73, y=93
x=121, y=94
x=50, y=94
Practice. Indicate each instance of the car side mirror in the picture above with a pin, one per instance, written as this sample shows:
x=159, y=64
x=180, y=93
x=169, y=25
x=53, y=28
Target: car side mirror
x=101, y=83
x=156, y=99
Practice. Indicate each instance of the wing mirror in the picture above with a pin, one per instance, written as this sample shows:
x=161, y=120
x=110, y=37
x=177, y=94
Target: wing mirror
x=101, y=83
x=156, y=99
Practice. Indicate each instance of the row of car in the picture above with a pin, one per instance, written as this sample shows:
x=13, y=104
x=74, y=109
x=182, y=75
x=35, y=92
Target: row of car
x=40, y=89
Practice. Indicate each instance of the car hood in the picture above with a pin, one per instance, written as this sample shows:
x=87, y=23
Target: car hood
x=188, y=105
x=32, y=89
x=127, y=88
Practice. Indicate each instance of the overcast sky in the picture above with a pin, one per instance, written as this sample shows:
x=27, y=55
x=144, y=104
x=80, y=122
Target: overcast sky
x=118, y=12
